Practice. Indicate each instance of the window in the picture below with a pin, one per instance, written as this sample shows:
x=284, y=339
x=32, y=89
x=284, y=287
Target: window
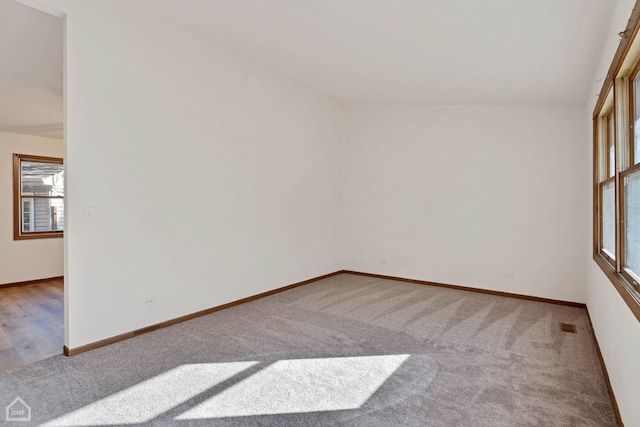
x=631, y=231
x=27, y=218
x=38, y=187
x=611, y=146
x=606, y=183
x=616, y=120
x=635, y=101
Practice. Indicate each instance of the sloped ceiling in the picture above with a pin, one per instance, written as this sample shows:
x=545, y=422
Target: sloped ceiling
x=31, y=55
x=411, y=51
x=354, y=51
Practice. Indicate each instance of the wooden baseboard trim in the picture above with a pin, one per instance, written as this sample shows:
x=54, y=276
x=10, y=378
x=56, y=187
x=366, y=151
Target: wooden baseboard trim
x=30, y=282
x=74, y=351
x=465, y=288
x=614, y=402
x=82, y=349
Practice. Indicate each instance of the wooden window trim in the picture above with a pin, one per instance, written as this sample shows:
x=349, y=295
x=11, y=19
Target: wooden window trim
x=18, y=234
x=613, y=271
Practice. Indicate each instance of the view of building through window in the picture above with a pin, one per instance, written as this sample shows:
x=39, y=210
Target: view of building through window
x=40, y=183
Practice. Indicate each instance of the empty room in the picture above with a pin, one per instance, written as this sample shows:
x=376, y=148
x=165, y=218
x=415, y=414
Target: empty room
x=302, y=212
x=31, y=185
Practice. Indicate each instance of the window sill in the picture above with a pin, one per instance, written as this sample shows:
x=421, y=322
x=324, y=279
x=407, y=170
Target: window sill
x=45, y=235
x=630, y=296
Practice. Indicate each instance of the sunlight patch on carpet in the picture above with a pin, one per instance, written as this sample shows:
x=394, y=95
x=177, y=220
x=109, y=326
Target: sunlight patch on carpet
x=153, y=397
x=301, y=386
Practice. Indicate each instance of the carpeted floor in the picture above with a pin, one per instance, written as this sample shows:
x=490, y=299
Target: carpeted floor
x=348, y=350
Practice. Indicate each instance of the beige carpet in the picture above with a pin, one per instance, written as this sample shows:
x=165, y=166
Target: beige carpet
x=348, y=350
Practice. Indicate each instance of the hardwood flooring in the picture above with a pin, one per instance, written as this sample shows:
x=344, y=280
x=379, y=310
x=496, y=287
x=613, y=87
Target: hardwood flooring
x=31, y=322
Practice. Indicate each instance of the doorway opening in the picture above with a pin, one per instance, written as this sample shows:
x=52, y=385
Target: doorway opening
x=32, y=186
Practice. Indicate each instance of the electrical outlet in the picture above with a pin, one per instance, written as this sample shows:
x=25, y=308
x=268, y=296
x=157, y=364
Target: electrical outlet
x=147, y=301
x=509, y=275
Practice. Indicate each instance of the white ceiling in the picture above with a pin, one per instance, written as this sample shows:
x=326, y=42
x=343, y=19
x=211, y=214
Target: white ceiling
x=355, y=51
x=30, y=71
x=412, y=51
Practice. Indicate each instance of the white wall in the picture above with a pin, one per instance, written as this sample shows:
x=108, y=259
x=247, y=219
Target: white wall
x=212, y=179
x=22, y=260
x=617, y=329
x=462, y=194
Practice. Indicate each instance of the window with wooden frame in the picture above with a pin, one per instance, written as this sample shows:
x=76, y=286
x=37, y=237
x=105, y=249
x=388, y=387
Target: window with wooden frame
x=606, y=182
x=630, y=189
x=616, y=170
x=38, y=197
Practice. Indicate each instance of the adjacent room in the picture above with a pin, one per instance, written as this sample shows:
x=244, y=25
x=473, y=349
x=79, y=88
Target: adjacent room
x=31, y=185
x=301, y=212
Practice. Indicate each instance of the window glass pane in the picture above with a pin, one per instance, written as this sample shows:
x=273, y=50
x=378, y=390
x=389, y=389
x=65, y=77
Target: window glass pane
x=636, y=119
x=632, y=222
x=46, y=215
x=609, y=219
x=26, y=215
x=611, y=145
x=57, y=214
x=42, y=179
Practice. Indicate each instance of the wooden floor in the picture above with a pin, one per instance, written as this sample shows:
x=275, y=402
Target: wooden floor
x=31, y=322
